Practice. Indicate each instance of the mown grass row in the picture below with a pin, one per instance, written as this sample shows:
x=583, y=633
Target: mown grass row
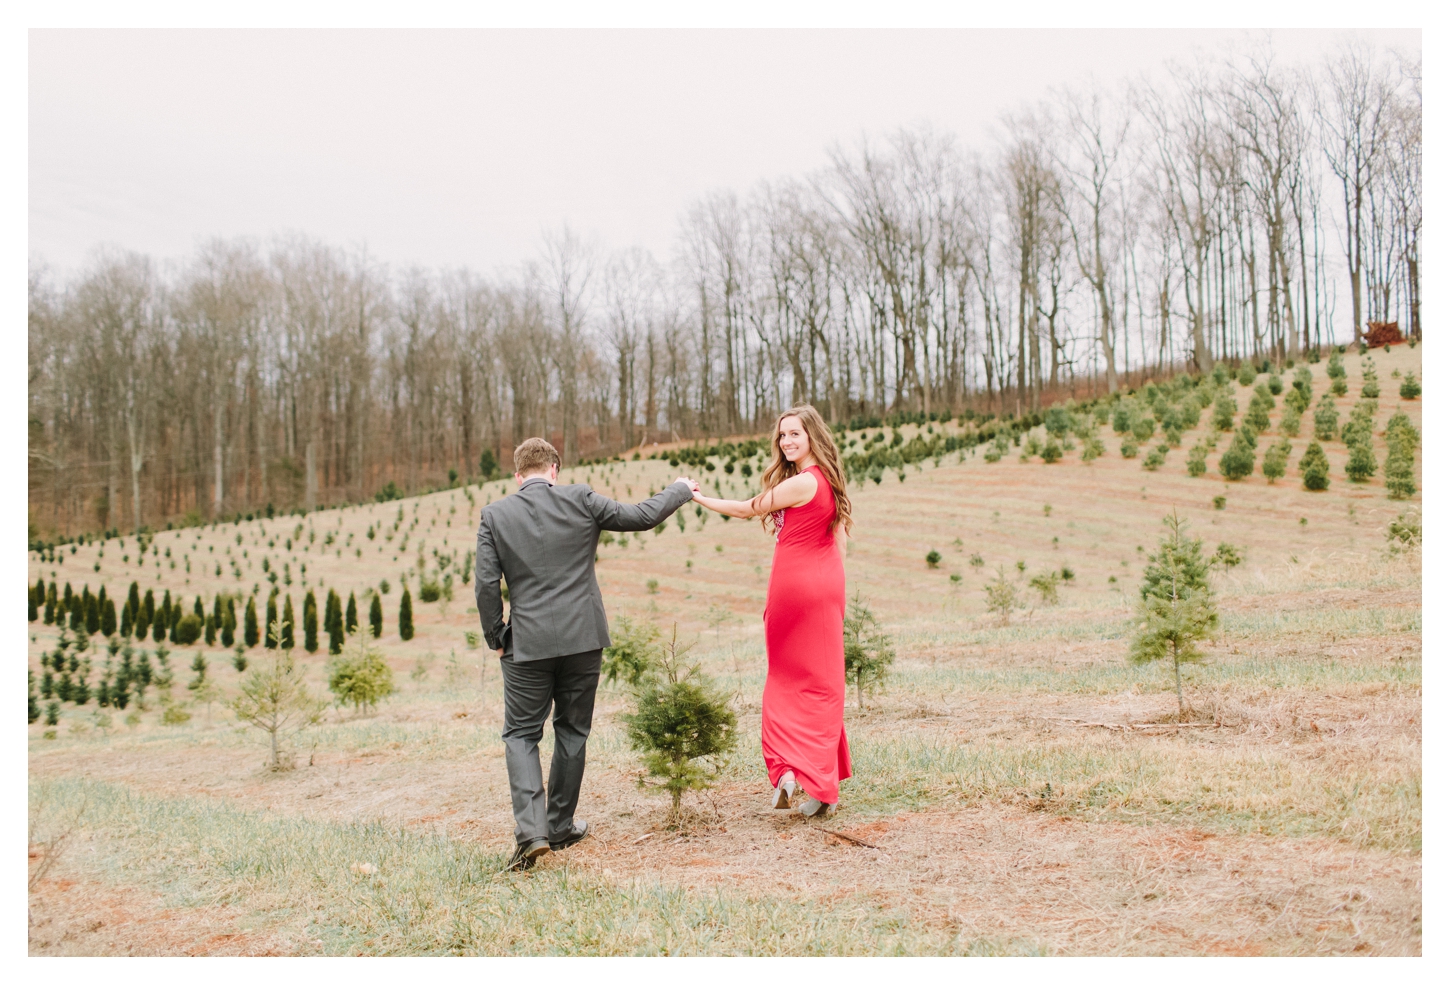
x=1370, y=803
x=432, y=895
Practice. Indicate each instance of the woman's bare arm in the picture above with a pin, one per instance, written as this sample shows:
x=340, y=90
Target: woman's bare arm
x=795, y=491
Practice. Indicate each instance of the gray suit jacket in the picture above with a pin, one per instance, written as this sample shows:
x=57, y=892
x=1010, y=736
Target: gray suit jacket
x=542, y=540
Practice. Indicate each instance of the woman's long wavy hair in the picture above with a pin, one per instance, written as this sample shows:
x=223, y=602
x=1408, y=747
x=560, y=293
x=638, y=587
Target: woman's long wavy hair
x=823, y=448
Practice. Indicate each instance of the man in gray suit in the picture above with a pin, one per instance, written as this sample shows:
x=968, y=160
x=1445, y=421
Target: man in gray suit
x=541, y=541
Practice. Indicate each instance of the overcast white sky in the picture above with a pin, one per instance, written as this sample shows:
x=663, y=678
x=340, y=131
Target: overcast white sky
x=449, y=148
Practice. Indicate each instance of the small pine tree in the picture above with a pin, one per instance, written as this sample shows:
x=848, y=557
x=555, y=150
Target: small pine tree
x=34, y=705
x=869, y=651
x=351, y=622
x=276, y=700
x=1002, y=596
x=680, y=720
x=34, y=611
x=1224, y=410
x=405, y=615
x=133, y=599
x=1276, y=460
x=1409, y=387
x=93, y=615
x=147, y=616
x=1371, y=386
x=375, y=616
x=1177, y=609
x=251, y=635
x=188, y=630
x=487, y=465
x=1399, y=423
x=360, y=677
x=271, y=638
x=229, y=623
x=309, y=622
x=1238, y=462
x=632, y=652
x=198, y=666
x=1289, y=421
x=1361, y=465
x=288, y=638
x=1257, y=416
x=1197, y=460
x=335, y=634
x=1400, y=466
x=1247, y=375
x=1326, y=419
x=1314, y=467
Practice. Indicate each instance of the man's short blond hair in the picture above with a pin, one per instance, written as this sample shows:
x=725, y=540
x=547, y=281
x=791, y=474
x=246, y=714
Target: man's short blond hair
x=534, y=455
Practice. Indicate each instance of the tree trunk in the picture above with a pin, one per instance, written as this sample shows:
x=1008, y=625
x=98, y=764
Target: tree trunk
x=1178, y=683
x=216, y=493
x=311, y=453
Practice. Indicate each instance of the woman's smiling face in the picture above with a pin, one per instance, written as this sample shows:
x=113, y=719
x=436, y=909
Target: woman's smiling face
x=794, y=443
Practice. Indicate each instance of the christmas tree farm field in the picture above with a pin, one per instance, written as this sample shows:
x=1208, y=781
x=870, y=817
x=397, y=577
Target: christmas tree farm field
x=1021, y=785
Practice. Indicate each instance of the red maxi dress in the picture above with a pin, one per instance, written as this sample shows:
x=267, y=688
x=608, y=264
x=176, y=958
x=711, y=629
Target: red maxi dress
x=802, y=723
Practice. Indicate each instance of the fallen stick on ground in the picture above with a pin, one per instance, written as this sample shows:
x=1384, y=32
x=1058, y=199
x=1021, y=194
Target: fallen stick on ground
x=1124, y=726
x=647, y=834
x=852, y=839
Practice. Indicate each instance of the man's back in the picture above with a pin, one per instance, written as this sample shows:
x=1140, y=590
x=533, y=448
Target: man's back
x=542, y=540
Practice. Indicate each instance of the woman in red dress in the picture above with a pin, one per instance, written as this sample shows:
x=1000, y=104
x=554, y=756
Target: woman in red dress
x=802, y=726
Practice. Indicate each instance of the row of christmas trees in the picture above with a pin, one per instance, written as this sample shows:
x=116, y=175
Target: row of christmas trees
x=140, y=616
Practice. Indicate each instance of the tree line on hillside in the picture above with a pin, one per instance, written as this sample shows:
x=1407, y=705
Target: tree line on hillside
x=232, y=619
x=1238, y=208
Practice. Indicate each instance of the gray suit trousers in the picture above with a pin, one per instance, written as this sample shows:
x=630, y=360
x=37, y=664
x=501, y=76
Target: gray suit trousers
x=529, y=688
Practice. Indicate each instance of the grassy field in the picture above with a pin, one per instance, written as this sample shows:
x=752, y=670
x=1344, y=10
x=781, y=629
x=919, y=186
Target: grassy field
x=1019, y=786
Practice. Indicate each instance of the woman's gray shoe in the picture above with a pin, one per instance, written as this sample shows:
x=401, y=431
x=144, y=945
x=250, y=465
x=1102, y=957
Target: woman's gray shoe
x=811, y=807
x=780, y=800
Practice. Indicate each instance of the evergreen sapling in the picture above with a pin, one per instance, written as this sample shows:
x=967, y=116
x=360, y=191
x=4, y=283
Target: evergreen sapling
x=375, y=616
x=1238, y=462
x=309, y=621
x=1176, y=609
x=405, y=615
x=1326, y=419
x=681, y=724
x=1314, y=467
x=869, y=650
